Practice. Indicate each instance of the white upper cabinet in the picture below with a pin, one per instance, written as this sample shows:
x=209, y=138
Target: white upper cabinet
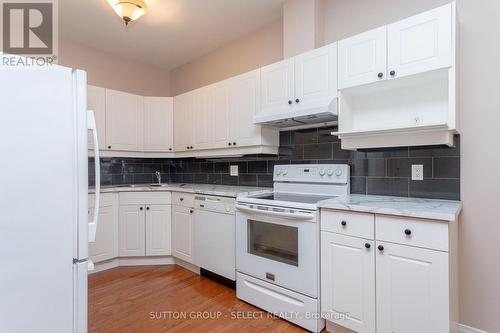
x=316, y=76
x=158, y=124
x=183, y=122
x=362, y=59
x=124, y=121
x=412, y=289
x=420, y=43
x=203, y=107
x=221, y=114
x=278, y=87
x=245, y=104
x=96, y=101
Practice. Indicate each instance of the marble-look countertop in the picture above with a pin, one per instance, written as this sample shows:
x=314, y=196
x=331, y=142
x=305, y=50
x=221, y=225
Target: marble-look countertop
x=446, y=210
x=207, y=189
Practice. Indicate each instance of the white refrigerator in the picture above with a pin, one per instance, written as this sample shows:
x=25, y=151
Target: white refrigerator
x=44, y=227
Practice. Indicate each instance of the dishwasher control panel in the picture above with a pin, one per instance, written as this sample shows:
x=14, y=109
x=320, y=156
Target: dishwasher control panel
x=217, y=204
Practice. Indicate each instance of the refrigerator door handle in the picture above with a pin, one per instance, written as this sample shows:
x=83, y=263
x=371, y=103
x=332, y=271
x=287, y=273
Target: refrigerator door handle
x=92, y=127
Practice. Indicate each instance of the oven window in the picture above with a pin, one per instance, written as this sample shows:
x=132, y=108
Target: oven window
x=274, y=241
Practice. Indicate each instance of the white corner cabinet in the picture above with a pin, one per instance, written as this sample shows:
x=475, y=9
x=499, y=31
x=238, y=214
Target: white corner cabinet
x=397, y=83
x=388, y=273
x=131, y=125
x=144, y=226
x=299, y=84
x=218, y=119
x=183, y=226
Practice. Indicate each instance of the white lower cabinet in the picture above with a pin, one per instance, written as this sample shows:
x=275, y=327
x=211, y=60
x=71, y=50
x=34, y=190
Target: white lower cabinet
x=182, y=233
x=348, y=281
x=375, y=285
x=412, y=289
x=158, y=230
x=105, y=246
x=132, y=238
x=144, y=224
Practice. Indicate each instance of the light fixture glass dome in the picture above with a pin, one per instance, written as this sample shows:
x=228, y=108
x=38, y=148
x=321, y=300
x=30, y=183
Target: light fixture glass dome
x=129, y=10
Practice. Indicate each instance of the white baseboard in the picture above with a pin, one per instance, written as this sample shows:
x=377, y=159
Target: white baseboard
x=468, y=329
x=139, y=261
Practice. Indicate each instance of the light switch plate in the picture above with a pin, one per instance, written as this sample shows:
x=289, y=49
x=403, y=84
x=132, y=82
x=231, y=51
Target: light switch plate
x=417, y=172
x=233, y=170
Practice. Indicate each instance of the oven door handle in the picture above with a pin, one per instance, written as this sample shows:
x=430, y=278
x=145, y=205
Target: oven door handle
x=294, y=216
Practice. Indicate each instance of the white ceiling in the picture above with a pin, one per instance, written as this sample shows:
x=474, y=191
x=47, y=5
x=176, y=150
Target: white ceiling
x=172, y=33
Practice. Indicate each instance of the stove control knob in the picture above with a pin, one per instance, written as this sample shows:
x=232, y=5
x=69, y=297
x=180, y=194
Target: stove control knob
x=330, y=172
x=338, y=172
x=285, y=171
x=322, y=172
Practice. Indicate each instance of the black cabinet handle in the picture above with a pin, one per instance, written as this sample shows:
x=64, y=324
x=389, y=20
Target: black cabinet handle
x=392, y=73
x=191, y=147
x=344, y=223
x=170, y=149
x=147, y=208
x=109, y=147
x=290, y=102
x=407, y=232
x=380, y=75
x=229, y=143
x=191, y=211
x=368, y=245
x=141, y=208
x=181, y=199
x=234, y=143
x=297, y=100
x=380, y=248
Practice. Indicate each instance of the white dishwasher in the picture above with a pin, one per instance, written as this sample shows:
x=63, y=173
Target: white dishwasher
x=214, y=236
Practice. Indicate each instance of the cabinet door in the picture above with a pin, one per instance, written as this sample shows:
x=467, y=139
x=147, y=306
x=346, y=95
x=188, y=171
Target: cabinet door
x=202, y=116
x=158, y=124
x=131, y=231
x=124, y=121
x=362, y=58
x=348, y=281
x=183, y=122
x=316, y=76
x=278, y=87
x=158, y=230
x=182, y=233
x=106, y=239
x=420, y=43
x=221, y=115
x=96, y=101
x=245, y=104
x=412, y=290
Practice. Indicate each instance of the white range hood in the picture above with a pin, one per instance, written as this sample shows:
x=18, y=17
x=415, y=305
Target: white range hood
x=320, y=113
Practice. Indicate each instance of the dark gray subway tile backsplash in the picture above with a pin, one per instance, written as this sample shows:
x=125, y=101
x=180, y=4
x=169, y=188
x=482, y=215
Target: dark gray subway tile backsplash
x=373, y=171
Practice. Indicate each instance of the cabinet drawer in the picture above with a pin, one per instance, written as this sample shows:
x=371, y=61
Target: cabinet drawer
x=106, y=200
x=145, y=198
x=348, y=223
x=183, y=199
x=414, y=232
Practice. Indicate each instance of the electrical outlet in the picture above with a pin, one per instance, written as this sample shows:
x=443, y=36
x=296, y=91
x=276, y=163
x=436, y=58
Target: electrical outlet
x=233, y=170
x=417, y=172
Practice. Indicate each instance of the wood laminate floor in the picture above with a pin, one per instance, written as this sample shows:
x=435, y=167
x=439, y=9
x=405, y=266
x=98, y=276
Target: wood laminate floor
x=155, y=299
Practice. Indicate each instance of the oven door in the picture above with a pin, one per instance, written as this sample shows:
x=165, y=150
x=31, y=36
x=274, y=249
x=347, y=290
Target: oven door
x=279, y=246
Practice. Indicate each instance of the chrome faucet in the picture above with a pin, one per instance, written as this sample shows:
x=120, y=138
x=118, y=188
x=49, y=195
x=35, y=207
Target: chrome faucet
x=158, y=177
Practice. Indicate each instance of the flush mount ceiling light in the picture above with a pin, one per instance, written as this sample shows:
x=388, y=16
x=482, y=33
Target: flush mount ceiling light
x=129, y=10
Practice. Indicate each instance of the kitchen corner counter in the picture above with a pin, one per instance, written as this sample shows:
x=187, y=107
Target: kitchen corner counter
x=207, y=189
x=445, y=210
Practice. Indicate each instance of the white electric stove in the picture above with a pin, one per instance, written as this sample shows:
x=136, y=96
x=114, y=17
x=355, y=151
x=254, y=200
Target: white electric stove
x=277, y=241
